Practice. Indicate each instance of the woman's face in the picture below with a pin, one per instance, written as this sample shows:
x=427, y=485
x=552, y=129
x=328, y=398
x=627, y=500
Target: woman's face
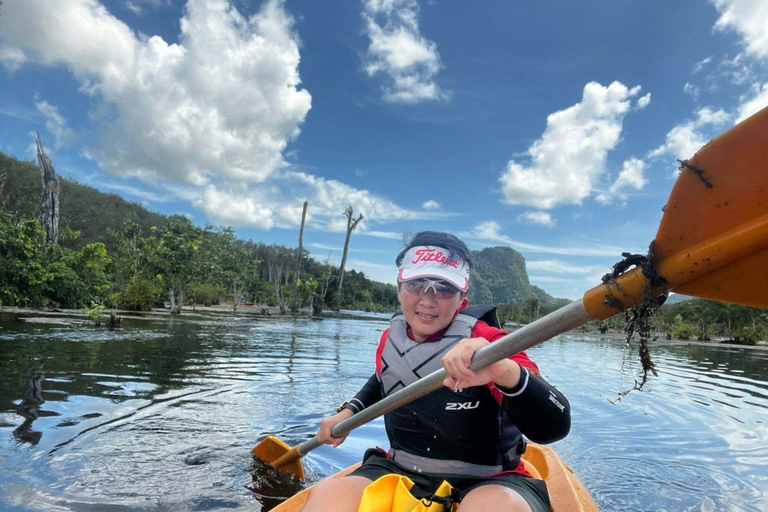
x=425, y=311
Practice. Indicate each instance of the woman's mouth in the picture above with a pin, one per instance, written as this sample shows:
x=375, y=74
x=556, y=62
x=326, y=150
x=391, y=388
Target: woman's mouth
x=424, y=317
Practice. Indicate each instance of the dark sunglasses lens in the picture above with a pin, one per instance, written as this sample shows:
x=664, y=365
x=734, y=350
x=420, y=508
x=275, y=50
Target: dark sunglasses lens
x=446, y=291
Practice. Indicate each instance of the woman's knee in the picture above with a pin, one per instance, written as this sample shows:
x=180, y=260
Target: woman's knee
x=493, y=497
x=336, y=494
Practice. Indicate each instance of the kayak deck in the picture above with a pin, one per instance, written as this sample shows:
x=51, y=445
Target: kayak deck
x=566, y=492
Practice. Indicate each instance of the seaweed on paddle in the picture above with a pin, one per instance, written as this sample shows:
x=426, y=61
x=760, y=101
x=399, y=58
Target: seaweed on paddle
x=639, y=319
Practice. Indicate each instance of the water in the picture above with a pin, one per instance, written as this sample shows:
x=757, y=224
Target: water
x=161, y=414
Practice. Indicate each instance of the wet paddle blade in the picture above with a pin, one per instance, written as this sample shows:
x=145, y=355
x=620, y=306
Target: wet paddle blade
x=724, y=186
x=713, y=238
x=276, y=453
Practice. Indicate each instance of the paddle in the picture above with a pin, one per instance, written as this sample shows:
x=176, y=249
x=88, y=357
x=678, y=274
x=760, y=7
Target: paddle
x=712, y=243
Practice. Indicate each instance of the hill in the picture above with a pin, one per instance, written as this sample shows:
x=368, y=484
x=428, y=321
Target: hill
x=499, y=277
x=82, y=208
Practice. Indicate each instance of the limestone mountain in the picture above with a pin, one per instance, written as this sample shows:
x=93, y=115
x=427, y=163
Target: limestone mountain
x=499, y=277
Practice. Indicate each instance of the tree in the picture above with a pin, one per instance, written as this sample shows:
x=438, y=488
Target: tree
x=351, y=225
x=22, y=269
x=299, y=255
x=278, y=260
x=173, y=257
x=238, y=265
x=50, y=196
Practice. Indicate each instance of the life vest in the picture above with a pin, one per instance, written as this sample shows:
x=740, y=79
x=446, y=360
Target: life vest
x=445, y=432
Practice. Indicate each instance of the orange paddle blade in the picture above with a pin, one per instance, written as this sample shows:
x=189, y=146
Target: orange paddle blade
x=713, y=238
x=279, y=455
x=724, y=186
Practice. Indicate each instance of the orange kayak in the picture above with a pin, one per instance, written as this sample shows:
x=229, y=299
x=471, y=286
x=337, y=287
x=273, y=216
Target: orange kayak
x=566, y=492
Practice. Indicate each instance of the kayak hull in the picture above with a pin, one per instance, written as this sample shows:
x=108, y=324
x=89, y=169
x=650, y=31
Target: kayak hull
x=566, y=492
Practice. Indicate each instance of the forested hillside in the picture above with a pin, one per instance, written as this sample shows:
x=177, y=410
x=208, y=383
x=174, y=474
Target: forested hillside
x=118, y=253
x=96, y=215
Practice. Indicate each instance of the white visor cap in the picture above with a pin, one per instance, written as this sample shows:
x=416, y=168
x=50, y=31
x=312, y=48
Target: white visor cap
x=433, y=262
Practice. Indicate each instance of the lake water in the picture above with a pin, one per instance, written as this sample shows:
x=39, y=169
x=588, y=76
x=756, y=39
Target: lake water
x=161, y=414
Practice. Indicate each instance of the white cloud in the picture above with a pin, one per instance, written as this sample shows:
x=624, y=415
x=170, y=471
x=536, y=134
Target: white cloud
x=631, y=176
x=697, y=67
x=11, y=58
x=431, y=205
x=540, y=218
x=754, y=102
x=691, y=89
x=278, y=202
x=489, y=231
x=135, y=9
x=54, y=123
x=684, y=140
x=571, y=153
x=748, y=19
x=397, y=49
x=233, y=209
x=643, y=101
x=389, y=235
x=560, y=267
x=167, y=122
x=165, y=118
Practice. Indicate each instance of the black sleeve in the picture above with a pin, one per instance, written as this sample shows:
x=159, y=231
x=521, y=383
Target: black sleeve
x=541, y=412
x=368, y=395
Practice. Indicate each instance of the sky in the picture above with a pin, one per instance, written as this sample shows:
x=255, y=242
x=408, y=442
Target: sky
x=553, y=128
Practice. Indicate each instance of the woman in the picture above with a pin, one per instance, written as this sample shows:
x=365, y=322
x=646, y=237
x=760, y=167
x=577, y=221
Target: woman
x=469, y=433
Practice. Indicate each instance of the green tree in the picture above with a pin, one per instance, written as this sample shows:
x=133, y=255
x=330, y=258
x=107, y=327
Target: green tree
x=22, y=269
x=173, y=257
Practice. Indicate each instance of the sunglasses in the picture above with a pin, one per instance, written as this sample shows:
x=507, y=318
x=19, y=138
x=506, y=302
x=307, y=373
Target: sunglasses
x=441, y=289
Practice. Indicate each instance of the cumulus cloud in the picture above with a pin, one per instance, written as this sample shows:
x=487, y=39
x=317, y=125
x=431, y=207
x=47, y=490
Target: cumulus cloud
x=490, y=231
x=748, y=19
x=278, y=202
x=753, y=102
x=431, y=205
x=208, y=118
x=164, y=115
x=398, y=51
x=540, y=218
x=684, y=140
x=631, y=176
x=571, y=153
x=643, y=101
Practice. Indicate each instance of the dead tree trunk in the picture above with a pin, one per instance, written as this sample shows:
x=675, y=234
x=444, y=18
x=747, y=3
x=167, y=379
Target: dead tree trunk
x=351, y=225
x=295, y=306
x=50, y=196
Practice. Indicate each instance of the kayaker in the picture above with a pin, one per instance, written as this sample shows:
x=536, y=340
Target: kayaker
x=469, y=433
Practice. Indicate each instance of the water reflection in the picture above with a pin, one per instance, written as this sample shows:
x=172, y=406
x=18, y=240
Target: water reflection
x=29, y=408
x=162, y=413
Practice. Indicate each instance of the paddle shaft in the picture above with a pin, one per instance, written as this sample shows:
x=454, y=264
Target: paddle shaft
x=558, y=322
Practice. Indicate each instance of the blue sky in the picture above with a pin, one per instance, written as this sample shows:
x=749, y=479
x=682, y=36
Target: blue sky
x=551, y=127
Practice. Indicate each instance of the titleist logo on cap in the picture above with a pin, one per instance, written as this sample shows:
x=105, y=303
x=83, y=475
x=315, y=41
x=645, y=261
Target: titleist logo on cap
x=433, y=254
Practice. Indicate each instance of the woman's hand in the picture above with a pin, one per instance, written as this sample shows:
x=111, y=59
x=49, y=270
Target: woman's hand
x=324, y=432
x=456, y=362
